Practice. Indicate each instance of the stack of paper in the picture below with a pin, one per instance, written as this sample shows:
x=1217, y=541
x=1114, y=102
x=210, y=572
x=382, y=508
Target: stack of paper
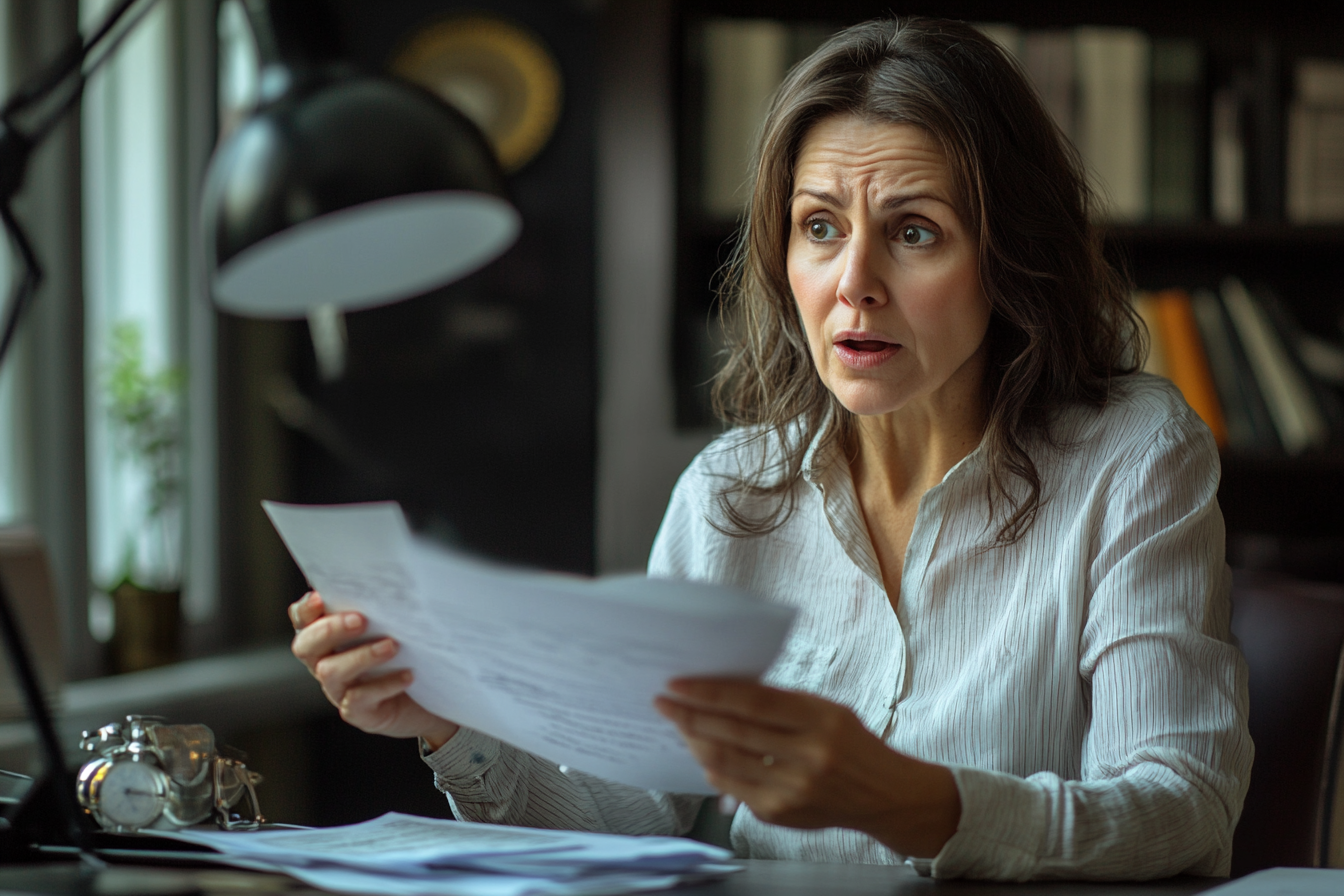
x=403, y=855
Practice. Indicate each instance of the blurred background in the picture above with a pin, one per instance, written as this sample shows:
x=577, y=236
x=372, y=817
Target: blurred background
x=540, y=411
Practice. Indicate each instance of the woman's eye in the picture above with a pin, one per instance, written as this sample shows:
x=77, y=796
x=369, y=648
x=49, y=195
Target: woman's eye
x=821, y=230
x=914, y=235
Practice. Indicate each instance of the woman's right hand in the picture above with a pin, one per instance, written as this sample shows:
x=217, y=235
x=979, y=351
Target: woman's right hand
x=378, y=704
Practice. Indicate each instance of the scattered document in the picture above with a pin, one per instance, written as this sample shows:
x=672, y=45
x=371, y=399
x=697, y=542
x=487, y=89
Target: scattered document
x=560, y=666
x=404, y=855
x=1285, y=882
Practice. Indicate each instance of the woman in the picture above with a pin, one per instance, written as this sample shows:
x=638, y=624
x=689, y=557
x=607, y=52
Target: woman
x=1012, y=654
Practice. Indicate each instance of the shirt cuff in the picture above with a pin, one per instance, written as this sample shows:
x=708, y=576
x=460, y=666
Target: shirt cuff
x=459, y=764
x=1001, y=830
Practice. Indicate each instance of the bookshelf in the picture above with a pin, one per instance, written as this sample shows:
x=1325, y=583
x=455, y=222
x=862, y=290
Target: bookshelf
x=1268, y=497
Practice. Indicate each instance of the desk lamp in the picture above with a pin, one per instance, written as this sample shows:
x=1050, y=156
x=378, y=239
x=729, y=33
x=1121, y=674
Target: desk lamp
x=342, y=189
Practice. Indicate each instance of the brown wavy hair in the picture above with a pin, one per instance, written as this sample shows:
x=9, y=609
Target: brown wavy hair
x=1061, y=324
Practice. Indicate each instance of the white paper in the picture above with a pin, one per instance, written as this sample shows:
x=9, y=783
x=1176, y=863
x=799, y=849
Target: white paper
x=561, y=666
x=395, y=840
x=1285, y=882
x=465, y=883
x=404, y=855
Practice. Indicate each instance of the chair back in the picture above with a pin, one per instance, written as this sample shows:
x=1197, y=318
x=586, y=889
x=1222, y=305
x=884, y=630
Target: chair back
x=27, y=580
x=1292, y=634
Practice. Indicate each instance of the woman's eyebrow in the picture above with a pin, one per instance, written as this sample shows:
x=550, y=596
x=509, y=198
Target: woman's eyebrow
x=898, y=199
x=828, y=198
x=886, y=203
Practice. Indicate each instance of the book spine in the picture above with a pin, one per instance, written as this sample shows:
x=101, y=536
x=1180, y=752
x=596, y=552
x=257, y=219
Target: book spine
x=1227, y=158
x=1294, y=339
x=1177, y=130
x=1113, y=68
x=1048, y=58
x=1301, y=204
x=1265, y=144
x=1248, y=424
x=743, y=60
x=1145, y=304
x=1187, y=364
x=1292, y=406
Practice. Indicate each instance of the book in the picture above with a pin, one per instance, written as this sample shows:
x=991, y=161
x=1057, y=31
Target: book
x=1112, y=125
x=1187, y=364
x=1325, y=360
x=1227, y=157
x=1299, y=348
x=1177, y=130
x=1047, y=56
x=1315, y=155
x=1005, y=35
x=1320, y=81
x=1145, y=303
x=1292, y=406
x=1263, y=127
x=743, y=62
x=1248, y=425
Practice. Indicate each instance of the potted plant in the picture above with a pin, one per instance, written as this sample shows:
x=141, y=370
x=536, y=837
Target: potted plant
x=143, y=408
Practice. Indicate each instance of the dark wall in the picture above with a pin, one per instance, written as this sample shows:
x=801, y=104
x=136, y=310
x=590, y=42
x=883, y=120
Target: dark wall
x=475, y=405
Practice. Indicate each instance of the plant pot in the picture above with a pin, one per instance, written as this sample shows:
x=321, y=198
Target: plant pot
x=148, y=629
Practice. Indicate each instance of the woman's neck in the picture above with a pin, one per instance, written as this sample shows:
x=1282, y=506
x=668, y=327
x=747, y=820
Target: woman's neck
x=908, y=451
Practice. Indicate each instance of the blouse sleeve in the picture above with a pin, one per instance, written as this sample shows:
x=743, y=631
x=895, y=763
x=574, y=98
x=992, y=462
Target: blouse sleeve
x=488, y=780
x=1167, y=756
x=491, y=781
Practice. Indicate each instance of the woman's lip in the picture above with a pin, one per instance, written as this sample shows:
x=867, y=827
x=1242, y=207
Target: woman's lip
x=864, y=360
x=860, y=336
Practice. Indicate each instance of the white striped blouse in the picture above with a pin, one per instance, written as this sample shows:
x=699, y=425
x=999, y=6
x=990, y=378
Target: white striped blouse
x=1081, y=683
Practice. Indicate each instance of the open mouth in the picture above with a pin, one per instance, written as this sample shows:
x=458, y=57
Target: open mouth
x=864, y=353
x=866, y=345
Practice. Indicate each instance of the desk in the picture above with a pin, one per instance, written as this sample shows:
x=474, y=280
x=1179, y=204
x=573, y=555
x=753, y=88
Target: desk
x=766, y=878
x=761, y=878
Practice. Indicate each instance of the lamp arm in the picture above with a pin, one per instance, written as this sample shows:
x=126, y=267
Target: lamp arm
x=62, y=782
x=69, y=62
x=26, y=290
x=72, y=67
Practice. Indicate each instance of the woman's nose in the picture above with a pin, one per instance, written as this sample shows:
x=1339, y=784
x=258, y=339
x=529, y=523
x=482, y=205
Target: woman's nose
x=860, y=284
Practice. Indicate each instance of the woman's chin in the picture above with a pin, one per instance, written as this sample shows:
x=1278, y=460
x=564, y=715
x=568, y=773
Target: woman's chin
x=870, y=399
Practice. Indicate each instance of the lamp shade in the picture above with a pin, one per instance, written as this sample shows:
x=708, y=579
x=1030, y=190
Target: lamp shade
x=351, y=191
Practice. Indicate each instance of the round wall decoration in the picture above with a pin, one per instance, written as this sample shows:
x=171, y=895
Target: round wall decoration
x=496, y=73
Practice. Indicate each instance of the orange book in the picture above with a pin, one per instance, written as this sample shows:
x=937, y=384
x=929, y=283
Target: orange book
x=1145, y=305
x=1187, y=365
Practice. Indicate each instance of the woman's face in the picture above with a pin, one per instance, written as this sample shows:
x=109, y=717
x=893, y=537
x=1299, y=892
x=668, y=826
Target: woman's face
x=884, y=271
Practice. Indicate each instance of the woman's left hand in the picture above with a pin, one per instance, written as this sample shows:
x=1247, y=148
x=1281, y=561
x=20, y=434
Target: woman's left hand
x=801, y=761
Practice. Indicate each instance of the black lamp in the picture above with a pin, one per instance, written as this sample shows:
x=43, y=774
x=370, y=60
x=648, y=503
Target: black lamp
x=342, y=189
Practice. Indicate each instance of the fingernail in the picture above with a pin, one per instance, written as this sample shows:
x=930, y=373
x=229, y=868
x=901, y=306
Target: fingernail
x=352, y=621
x=310, y=598
x=407, y=676
x=385, y=648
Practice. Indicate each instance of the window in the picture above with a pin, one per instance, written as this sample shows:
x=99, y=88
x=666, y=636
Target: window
x=15, y=467
x=144, y=303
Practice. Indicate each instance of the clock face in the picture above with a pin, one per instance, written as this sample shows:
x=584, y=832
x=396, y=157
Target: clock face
x=495, y=72
x=130, y=795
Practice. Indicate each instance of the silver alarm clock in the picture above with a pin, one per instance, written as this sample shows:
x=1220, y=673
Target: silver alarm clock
x=148, y=775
